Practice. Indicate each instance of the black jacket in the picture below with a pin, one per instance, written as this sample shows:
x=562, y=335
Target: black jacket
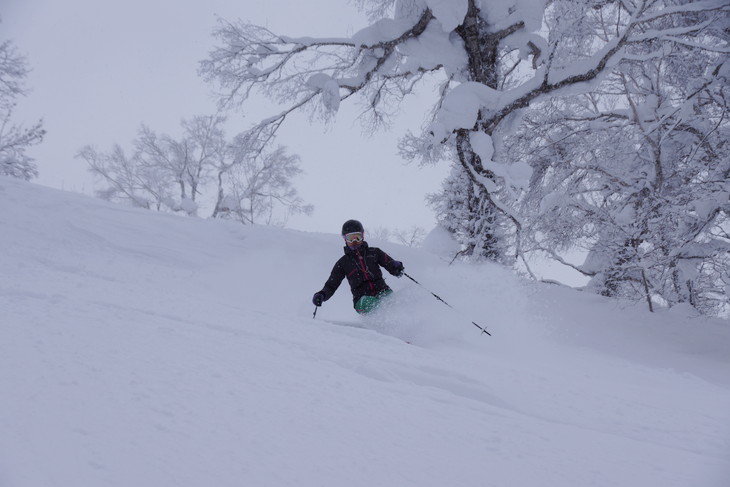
x=361, y=267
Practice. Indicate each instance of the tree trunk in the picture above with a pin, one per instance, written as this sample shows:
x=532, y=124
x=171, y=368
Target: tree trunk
x=219, y=200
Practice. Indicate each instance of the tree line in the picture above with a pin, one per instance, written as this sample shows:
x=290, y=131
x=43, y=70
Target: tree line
x=241, y=178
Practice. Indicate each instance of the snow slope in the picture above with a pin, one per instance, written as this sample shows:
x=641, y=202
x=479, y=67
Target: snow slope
x=146, y=349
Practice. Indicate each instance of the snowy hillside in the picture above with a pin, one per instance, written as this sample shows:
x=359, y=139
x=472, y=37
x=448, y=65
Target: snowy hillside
x=144, y=349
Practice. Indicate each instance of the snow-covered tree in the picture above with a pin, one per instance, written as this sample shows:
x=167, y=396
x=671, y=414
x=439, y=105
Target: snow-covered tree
x=127, y=179
x=239, y=177
x=187, y=161
x=637, y=171
x=491, y=59
x=257, y=182
x=412, y=237
x=15, y=139
x=163, y=172
x=457, y=207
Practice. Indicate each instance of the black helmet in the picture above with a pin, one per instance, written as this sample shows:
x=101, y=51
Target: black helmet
x=352, y=226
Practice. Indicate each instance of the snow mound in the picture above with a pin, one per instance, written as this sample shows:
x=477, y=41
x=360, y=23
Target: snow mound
x=439, y=241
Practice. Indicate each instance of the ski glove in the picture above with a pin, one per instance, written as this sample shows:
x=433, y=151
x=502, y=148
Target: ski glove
x=318, y=298
x=397, y=267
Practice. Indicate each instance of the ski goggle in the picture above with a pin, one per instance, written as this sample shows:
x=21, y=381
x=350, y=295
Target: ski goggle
x=354, y=237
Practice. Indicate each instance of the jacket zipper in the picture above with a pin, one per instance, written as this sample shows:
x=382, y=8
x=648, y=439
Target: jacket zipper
x=365, y=272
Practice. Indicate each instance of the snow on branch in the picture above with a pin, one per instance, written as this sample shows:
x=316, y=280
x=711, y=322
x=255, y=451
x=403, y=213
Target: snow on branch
x=683, y=9
x=297, y=71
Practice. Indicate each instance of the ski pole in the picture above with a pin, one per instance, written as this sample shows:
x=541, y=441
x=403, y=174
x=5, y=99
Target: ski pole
x=315, y=312
x=484, y=330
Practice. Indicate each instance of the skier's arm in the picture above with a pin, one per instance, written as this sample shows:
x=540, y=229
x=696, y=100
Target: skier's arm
x=334, y=281
x=394, y=267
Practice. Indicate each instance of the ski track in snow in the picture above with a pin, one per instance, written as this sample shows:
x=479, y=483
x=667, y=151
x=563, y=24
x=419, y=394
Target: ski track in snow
x=146, y=349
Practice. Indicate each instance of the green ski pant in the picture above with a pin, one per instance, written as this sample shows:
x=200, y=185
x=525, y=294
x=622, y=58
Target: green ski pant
x=366, y=304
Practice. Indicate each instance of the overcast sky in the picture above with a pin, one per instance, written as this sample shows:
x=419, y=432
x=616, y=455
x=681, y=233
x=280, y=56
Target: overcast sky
x=102, y=68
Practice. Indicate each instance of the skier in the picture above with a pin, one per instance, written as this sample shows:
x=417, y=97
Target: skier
x=361, y=266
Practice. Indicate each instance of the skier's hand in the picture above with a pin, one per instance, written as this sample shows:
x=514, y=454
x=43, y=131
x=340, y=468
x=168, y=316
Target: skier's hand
x=318, y=298
x=397, y=267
